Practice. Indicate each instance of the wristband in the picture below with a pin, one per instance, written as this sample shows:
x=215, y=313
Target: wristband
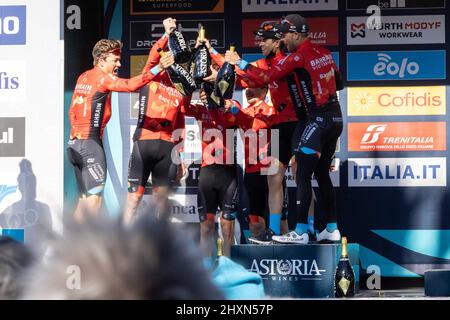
x=155, y=70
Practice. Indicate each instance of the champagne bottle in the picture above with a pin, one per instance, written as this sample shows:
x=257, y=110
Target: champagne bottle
x=202, y=59
x=219, y=252
x=226, y=78
x=213, y=102
x=180, y=77
x=180, y=48
x=344, y=279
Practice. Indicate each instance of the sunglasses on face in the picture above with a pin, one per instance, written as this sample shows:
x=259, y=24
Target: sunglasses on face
x=267, y=26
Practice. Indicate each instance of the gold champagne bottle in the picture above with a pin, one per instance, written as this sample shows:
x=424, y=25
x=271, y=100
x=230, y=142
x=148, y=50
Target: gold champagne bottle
x=202, y=59
x=226, y=78
x=219, y=251
x=344, y=279
x=180, y=77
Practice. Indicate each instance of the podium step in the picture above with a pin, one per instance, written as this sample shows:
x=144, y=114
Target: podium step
x=437, y=283
x=295, y=271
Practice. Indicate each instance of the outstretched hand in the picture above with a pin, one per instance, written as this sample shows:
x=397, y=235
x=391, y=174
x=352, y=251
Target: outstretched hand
x=205, y=41
x=166, y=61
x=212, y=77
x=232, y=57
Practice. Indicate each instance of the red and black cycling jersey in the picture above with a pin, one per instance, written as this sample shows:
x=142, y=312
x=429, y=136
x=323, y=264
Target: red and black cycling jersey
x=258, y=115
x=279, y=90
x=215, y=145
x=90, y=108
x=314, y=76
x=159, y=102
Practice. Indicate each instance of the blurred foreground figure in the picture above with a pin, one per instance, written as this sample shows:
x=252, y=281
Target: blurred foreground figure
x=14, y=258
x=104, y=260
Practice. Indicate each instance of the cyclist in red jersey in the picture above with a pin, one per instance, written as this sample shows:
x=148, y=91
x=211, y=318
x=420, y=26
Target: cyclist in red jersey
x=317, y=82
x=217, y=186
x=159, y=116
x=290, y=123
x=89, y=112
x=259, y=117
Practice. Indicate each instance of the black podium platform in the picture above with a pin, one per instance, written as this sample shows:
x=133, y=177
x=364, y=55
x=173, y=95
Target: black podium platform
x=296, y=271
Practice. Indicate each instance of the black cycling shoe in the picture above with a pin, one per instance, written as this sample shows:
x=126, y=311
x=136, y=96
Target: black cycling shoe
x=265, y=237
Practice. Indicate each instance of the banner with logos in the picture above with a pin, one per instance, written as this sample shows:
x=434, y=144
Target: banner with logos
x=323, y=31
x=396, y=65
x=143, y=34
x=392, y=155
x=397, y=172
x=283, y=6
x=396, y=136
x=396, y=30
x=396, y=101
x=31, y=120
x=395, y=4
x=139, y=7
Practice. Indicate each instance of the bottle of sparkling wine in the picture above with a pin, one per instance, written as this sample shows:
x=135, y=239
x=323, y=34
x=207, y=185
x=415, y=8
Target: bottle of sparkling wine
x=226, y=78
x=213, y=102
x=219, y=252
x=202, y=59
x=344, y=279
x=180, y=48
x=180, y=77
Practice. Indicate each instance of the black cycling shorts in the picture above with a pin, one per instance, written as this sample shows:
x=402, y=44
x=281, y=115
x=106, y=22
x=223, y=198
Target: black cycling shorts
x=217, y=188
x=286, y=142
x=149, y=157
x=88, y=159
x=323, y=128
x=258, y=191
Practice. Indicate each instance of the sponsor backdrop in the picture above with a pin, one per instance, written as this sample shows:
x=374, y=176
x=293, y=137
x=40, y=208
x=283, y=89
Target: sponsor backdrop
x=390, y=170
x=31, y=118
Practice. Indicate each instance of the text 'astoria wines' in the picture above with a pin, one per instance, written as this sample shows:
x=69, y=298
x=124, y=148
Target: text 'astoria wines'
x=202, y=59
x=180, y=77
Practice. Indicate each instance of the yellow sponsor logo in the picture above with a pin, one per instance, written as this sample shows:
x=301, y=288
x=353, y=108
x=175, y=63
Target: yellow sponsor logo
x=396, y=101
x=137, y=63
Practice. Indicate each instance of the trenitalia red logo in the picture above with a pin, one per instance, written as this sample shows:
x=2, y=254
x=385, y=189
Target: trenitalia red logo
x=373, y=133
x=324, y=31
x=397, y=136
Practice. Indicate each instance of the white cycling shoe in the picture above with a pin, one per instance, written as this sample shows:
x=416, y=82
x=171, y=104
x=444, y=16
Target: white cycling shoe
x=326, y=236
x=292, y=237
